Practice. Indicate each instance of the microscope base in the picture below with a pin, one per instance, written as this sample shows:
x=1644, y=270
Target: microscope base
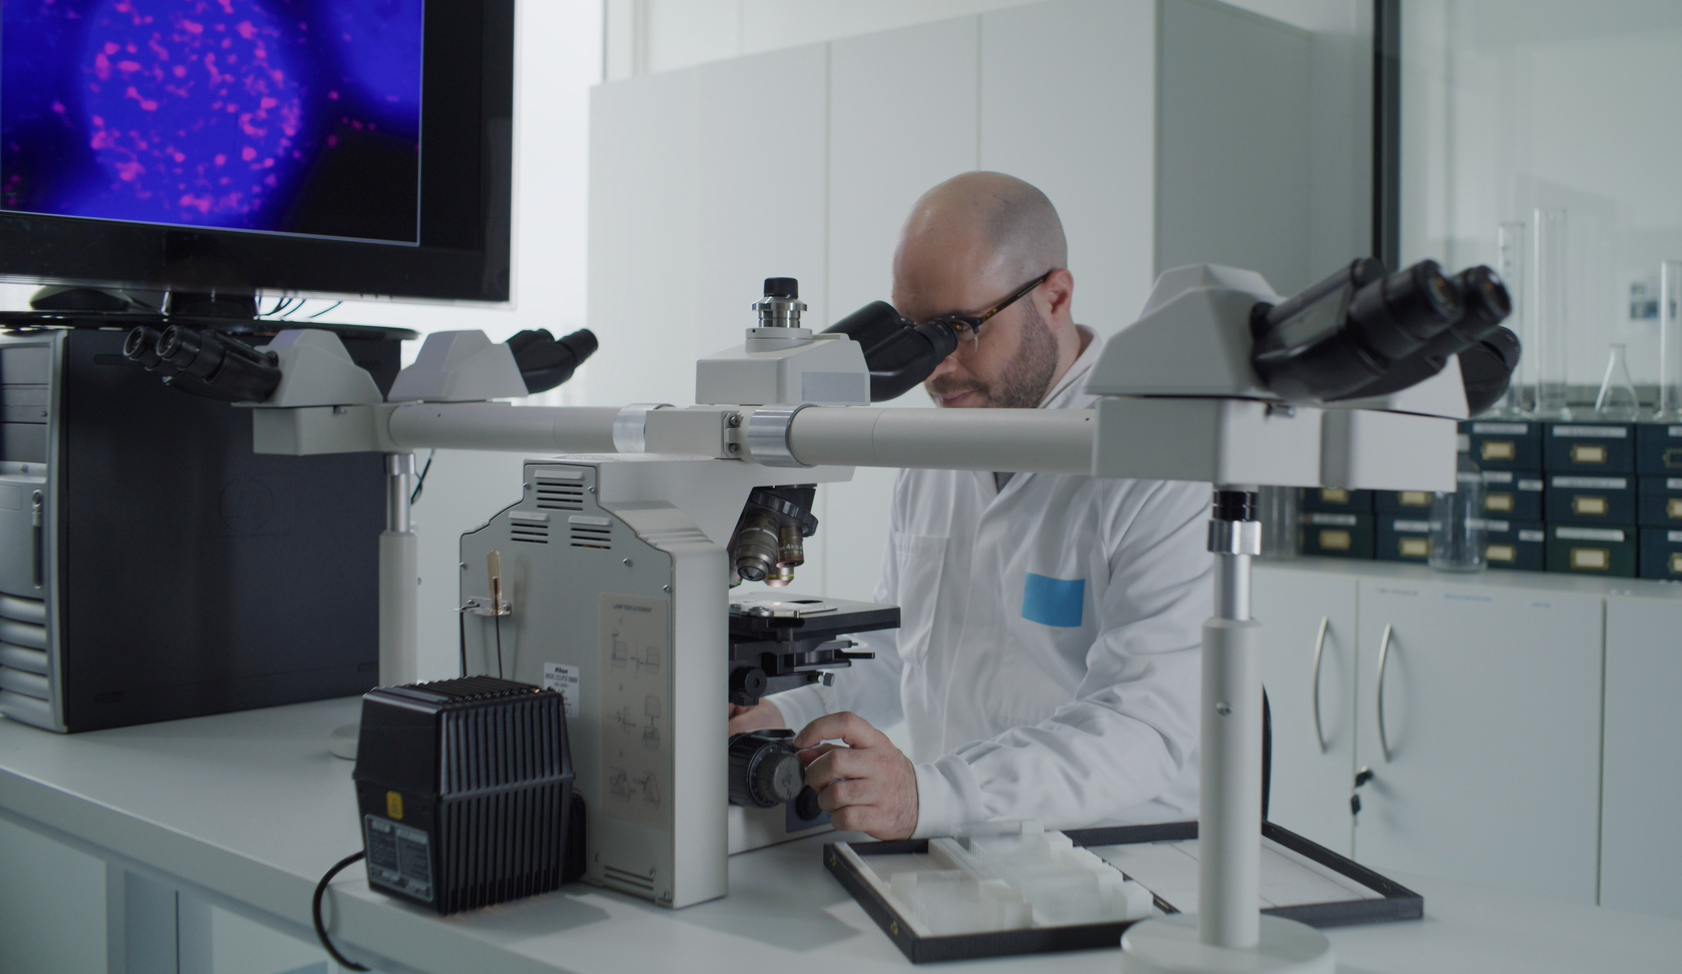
x=756, y=828
x=1169, y=945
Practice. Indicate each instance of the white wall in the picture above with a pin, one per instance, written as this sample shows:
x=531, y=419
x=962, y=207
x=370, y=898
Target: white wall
x=803, y=161
x=1513, y=104
x=649, y=36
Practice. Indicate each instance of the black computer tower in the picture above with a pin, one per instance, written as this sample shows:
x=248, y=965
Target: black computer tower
x=153, y=567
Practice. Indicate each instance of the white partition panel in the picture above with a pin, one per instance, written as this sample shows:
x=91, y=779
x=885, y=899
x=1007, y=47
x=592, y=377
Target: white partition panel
x=902, y=118
x=643, y=221
x=1084, y=133
x=1233, y=137
x=762, y=162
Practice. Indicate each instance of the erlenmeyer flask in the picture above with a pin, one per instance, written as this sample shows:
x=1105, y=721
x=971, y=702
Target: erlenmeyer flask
x=1617, y=402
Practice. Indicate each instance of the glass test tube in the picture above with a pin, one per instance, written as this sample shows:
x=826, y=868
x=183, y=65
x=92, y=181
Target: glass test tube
x=1670, y=342
x=1550, y=269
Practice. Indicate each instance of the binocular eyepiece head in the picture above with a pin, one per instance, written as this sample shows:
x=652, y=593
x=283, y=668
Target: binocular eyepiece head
x=204, y=363
x=1362, y=332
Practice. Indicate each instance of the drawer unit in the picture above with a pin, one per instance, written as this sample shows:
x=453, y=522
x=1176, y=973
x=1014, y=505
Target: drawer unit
x=1589, y=448
x=1592, y=550
x=1573, y=499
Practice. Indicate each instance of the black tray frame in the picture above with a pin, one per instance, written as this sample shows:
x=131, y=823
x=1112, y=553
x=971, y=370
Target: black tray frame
x=1397, y=902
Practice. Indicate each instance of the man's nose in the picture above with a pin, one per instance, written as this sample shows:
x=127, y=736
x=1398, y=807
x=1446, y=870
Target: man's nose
x=947, y=364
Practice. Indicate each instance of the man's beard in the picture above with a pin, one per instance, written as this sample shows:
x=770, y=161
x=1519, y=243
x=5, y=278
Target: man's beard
x=1026, y=378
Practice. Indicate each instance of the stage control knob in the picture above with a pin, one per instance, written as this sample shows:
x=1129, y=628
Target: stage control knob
x=764, y=770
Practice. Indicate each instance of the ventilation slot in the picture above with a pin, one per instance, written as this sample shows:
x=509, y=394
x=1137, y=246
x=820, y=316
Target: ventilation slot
x=598, y=536
x=25, y=687
x=533, y=532
x=528, y=527
x=613, y=874
x=554, y=495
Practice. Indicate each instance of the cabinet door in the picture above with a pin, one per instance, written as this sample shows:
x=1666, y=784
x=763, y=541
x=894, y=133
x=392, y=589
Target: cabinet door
x=1308, y=669
x=1485, y=742
x=1641, y=853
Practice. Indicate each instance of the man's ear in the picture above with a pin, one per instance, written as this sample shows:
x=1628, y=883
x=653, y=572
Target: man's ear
x=1059, y=292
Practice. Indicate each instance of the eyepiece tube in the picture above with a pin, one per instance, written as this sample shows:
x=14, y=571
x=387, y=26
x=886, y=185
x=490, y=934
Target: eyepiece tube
x=141, y=346
x=216, y=366
x=898, y=353
x=1397, y=317
x=544, y=361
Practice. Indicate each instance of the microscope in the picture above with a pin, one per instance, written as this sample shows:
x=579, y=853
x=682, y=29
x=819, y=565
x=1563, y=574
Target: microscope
x=609, y=577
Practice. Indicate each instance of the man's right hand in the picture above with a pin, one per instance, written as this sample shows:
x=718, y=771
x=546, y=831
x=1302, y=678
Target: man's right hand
x=761, y=716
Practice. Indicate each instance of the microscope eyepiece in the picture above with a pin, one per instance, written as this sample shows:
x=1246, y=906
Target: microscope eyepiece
x=545, y=361
x=140, y=345
x=1484, y=294
x=1361, y=333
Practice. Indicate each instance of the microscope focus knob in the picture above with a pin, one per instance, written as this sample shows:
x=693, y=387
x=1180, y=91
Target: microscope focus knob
x=764, y=770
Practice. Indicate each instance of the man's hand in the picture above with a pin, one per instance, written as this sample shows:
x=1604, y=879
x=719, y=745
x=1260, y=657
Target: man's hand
x=760, y=716
x=867, y=786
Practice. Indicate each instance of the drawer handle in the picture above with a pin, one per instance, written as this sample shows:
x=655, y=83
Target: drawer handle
x=1383, y=658
x=1319, y=647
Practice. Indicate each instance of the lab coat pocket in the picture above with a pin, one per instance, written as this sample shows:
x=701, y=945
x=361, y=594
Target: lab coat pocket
x=920, y=561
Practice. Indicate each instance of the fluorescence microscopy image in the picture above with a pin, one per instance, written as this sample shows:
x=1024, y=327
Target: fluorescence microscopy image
x=293, y=116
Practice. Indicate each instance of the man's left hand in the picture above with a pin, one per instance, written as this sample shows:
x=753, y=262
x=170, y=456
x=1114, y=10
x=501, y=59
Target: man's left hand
x=868, y=785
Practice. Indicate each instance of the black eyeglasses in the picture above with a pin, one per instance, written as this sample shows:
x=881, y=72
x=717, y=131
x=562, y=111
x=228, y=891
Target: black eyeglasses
x=968, y=327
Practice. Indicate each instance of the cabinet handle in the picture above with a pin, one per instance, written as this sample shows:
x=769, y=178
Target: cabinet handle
x=1383, y=657
x=1319, y=647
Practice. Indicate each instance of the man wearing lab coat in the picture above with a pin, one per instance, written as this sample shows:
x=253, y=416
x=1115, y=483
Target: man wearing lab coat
x=1047, y=660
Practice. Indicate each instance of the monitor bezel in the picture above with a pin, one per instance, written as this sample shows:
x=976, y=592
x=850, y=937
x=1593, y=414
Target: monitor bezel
x=466, y=190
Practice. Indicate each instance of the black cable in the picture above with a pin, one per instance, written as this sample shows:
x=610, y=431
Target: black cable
x=315, y=911
x=330, y=307
x=420, y=478
x=461, y=633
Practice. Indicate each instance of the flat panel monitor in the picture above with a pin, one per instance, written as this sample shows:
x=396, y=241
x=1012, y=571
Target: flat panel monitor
x=322, y=147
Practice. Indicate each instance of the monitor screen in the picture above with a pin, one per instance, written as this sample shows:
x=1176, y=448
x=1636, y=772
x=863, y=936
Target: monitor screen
x=348, y=147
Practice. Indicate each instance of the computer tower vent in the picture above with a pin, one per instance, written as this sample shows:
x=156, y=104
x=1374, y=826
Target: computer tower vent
x=465, y=789
x=25, y=688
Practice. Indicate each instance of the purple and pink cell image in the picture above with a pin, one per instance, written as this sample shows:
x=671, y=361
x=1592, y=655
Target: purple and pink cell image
x=289, y=116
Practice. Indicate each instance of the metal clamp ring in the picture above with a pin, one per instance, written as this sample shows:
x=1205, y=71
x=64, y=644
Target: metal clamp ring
x=766, y=435
x=630, y=427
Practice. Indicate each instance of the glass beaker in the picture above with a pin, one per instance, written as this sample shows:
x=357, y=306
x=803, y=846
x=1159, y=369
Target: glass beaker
x=1548, y=308
x=1670, y=342
x=1458, y=531
x=1617, y=401
x=1278, y=510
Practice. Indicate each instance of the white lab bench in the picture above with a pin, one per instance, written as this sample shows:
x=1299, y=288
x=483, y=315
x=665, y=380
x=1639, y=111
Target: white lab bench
x=247, y=810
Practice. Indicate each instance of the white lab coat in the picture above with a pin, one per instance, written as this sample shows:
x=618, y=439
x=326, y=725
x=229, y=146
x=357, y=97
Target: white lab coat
x=1068, y=697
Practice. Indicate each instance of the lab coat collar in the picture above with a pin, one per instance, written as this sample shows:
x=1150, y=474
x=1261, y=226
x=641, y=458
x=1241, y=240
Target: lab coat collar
x=1064, y=394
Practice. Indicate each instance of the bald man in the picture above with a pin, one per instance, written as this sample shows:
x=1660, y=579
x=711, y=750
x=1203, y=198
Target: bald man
x=1047, y=660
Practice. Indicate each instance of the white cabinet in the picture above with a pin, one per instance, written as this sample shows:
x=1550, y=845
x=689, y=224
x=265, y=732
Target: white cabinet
x=1483, y=734
x=1524, y=738
x=1308, y=669
x=1641, y=846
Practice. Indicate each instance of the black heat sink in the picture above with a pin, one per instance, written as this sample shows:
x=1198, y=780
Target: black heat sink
x=465, y=790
